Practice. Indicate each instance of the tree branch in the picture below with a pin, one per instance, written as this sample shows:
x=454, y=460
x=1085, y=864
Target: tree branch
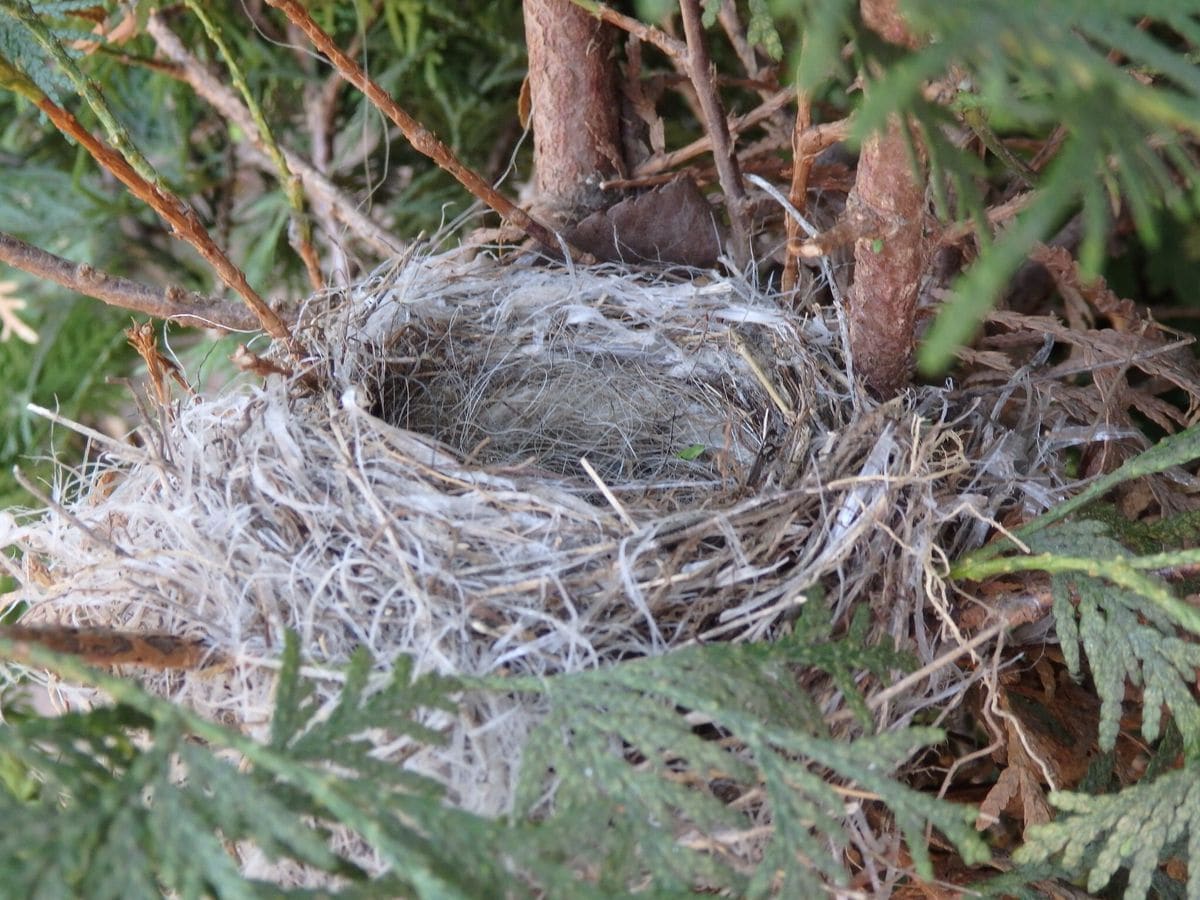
x=162, y=303
x=701, y=70
x=665, y=161
x=178, y=214
x=671, y=46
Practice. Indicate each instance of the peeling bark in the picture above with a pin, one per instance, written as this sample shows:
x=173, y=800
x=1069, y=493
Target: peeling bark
x=575, y=107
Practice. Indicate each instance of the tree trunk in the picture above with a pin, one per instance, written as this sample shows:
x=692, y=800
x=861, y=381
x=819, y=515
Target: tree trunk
x=887, y=268
x=575, y=108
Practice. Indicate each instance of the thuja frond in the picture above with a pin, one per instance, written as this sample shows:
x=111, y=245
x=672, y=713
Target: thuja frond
x=1174, y=450
x=647, y=755
x=1136, y=828
x=25, y=62
x=1109, y=602
x=146, y=796
x=49, y=36
x=1124, y=634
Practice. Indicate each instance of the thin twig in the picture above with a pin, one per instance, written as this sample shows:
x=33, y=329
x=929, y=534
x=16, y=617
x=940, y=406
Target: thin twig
x=701, y=70
x=665, y=161
x=120, y=449
x=808, y=142
x=906, y=683
x=300, y=234
x=798, y=192
x=671, y=46
x=995, y=215
x=421, y=138
x=226, y=103
x=162, y=303
x=178, y=214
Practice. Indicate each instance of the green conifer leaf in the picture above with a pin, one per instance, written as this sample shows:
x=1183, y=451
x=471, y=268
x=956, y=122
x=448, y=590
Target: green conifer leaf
x=144, y=797
x=1135, y=829
x=1123, y=633
x=647, y=750
x=760, y=29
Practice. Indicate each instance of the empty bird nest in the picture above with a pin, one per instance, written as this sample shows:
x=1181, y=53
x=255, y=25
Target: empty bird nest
x=532, y=469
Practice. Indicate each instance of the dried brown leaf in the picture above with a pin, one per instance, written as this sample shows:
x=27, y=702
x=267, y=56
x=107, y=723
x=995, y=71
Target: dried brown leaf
x=669, y=224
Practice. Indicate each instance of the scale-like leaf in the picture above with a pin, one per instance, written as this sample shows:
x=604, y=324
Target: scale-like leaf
x=647, y=753
x=1123, y=634
x=145, y=796
x=1136, y=828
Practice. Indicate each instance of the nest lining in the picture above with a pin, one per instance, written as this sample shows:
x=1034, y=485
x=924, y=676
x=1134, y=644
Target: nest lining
x=431, y=500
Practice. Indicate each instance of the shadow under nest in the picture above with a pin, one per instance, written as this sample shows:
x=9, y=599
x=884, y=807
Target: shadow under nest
x=528, y=469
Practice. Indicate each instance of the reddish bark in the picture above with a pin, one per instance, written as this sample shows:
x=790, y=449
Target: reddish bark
x=885, y=19
x=888, y=267
x=575, y=107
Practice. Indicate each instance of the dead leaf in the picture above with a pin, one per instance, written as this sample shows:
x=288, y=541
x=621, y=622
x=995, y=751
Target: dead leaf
x=1018, y=790
x=669, y=224
x=159, y=367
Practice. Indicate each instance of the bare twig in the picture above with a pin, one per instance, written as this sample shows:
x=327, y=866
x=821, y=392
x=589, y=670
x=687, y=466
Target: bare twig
x=178, y=214
x=996, y=216
x=807, y=143
x=671, y=46
x=421, y=138
x=798, y=192
x=319, y=188
x=701, y=69
x=163, y=303
x=300, y=232
x=666, y=161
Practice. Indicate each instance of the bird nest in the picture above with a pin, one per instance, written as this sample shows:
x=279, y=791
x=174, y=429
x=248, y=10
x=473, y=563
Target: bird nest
x=524, y=469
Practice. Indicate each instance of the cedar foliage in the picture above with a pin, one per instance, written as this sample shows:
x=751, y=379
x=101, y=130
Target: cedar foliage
x=138, y=797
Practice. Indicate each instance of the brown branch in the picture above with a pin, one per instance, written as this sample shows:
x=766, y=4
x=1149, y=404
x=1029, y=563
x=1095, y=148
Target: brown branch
x=798, y=191
x=162, y=303
x=105, y=647
x=671, y=46
x=881, y=305
x=858, y=223
x=319, y=188
x=995, y=215
x=421, y=138
x=702, y=71
x=808, y=141
x=178, y=214
x=656, y=164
